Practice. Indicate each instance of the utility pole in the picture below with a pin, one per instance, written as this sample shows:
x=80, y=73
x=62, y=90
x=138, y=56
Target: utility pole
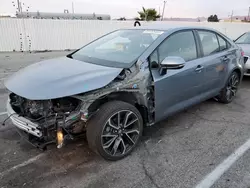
x=73, y=11
x=163, y=10
x=232, y=16
x=18, y=6
x=248, y=14
x=146, y=15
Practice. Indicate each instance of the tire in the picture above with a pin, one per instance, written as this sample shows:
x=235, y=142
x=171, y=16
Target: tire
x=228, y=93
x=109, y=140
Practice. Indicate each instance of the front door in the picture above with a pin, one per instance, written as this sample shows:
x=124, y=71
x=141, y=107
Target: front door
x=180, y=88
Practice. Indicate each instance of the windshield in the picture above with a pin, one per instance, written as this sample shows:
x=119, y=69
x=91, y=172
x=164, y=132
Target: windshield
x=243, y=39
x=117, y=49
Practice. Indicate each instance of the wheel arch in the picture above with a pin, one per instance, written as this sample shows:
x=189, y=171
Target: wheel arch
x=133, y=98
x=238, y=71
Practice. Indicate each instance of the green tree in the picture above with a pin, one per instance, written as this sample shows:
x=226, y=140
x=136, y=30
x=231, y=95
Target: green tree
x=149, y=14
x=213, y=18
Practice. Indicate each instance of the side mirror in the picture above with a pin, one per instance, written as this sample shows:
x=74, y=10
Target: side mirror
x=171, y=62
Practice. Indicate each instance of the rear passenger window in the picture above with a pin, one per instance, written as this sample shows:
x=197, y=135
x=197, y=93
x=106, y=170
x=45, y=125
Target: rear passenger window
x=181, y=44
x=209, y=42
x=223, y=43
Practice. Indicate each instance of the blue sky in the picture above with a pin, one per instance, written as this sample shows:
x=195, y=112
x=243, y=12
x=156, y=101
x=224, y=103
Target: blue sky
x=129, y=8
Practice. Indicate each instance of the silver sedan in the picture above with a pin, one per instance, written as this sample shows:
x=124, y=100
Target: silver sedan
x=244, y=42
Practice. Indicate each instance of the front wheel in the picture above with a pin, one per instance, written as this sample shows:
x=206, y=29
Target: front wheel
x=115, y=130
x=228, y=93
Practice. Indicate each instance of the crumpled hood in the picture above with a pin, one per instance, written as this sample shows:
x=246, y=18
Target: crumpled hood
x=59, y=77
x=245, y=48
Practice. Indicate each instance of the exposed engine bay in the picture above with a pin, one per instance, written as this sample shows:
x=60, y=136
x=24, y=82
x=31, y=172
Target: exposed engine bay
x=51, y=116
x=36, y=110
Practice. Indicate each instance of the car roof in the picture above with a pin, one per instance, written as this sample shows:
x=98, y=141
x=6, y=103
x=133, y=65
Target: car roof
x=169, y=27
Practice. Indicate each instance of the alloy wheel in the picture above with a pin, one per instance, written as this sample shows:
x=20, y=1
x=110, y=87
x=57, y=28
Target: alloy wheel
x=232, y=87
x=120, y=133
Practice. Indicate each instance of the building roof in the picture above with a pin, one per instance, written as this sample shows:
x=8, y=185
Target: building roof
x=62, y=15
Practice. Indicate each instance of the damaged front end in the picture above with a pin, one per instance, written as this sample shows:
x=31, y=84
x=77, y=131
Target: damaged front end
x=47, y=109
x=57, y=107
x=43, y=122
x=54, y=121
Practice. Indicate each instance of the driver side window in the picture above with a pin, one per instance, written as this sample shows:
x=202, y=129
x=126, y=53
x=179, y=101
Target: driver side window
x=180, y=44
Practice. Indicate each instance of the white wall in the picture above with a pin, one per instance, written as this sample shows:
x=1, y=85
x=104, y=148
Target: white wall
x=35, y=34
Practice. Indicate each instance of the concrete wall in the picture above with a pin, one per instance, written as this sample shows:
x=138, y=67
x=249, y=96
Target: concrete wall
x=35, y=34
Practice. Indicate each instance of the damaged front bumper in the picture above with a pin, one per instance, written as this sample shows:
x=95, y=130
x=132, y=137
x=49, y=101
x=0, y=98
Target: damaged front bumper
x=28, y=130
x=23, y=123
x=39, y=135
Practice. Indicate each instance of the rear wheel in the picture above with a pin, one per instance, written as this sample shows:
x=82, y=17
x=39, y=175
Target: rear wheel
x=115, y=130
x=228, y=93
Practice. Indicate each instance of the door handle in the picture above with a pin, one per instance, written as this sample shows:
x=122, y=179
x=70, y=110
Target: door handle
x=199, y=68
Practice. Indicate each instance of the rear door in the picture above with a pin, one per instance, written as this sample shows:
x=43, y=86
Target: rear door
x=216, y=57
x=180, y=88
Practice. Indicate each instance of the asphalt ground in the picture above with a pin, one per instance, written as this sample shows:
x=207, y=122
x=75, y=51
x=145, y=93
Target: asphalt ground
x=179, y=152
